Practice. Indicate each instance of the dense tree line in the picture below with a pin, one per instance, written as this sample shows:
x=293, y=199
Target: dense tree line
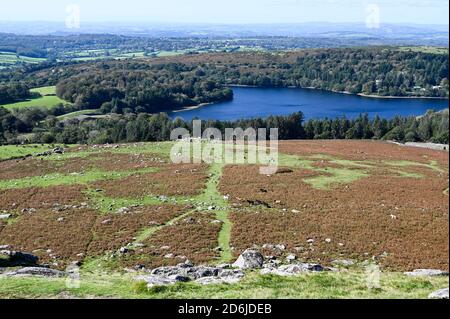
x=139, y=87
x=14, y=92
x=378, y=71
x=46, y=128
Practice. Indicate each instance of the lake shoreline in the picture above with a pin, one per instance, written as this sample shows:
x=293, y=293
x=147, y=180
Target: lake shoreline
x=252, y=102
x=189, y=108
x=374, y=96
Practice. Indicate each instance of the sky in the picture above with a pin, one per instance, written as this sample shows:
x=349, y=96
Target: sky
x=228, y=11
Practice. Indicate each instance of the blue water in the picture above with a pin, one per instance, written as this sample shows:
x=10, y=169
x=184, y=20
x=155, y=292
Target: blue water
x=262, y=102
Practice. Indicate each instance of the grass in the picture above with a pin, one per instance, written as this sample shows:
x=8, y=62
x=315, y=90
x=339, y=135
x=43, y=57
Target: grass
x=351, y=170
x=148, y=232
x=48, y=99
x=334, y=177
x=425, y=49
x=45, y=90
x=57, y=179
x=212, y=197
x=107, y=204
x=161, y=149
x=433, y=165
x=16, y=151
x=254, y=286
x=330, y=177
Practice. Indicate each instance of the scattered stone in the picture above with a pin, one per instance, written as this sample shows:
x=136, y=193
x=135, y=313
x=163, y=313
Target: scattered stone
x=5, y=216
x=187, y=272
x=280, y=247
x=293, y=269
x=60, y=219
x=35, y=271
x=168, y=256
x=229, y=278
x=310, y=241
x=224, y=266
x=123, y=210
x=123, y=250
x=153, y=280
x=189, y=220
x=295, y=211
x=106, y=222
x=291, y=257
x=426, y=273
x=328, y=240
x=343, y=262
x=439, y=294
x=249, y=259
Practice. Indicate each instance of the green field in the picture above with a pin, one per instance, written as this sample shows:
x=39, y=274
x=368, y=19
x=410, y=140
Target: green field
x=48, y=99
x=9, y=58
x=426, y=49
x=14, y=151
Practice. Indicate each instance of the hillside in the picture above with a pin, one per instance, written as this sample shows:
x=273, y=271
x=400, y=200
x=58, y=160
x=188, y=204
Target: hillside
x=126, y=209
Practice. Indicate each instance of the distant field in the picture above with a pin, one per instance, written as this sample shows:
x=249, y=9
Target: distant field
x=426, y=49
x=13, y=151
x=48, y=99
x=9, y=58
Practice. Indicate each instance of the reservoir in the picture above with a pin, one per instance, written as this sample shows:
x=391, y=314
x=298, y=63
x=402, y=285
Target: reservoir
x=263, y=102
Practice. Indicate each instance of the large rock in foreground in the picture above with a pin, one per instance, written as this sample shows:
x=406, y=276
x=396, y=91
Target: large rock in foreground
x=35, y=271
x=10, y=258
x=249, y=259
x=185, y=272
x=293, y=269
x=440, y=294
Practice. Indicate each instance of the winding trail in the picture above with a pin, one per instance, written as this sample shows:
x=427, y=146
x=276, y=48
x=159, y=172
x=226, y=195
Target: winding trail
x=210, y=197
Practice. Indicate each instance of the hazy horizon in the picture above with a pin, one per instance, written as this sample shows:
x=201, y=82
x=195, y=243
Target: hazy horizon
x=418, y=12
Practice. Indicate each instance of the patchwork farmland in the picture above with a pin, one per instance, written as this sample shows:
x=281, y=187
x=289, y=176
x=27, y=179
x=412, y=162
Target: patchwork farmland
x=117, y=210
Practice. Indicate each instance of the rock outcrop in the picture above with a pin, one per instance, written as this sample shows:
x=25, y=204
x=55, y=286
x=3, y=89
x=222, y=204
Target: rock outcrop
x=35, y=271
x=290, y=270
x=187, y=272
x=249, y=259
x=11, y=258
x=426, y=273
x=439, y=294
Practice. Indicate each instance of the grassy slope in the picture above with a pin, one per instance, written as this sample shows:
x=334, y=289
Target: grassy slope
x=14, y=151
x=48, y=99
x=345, y=284
x=351, y=284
